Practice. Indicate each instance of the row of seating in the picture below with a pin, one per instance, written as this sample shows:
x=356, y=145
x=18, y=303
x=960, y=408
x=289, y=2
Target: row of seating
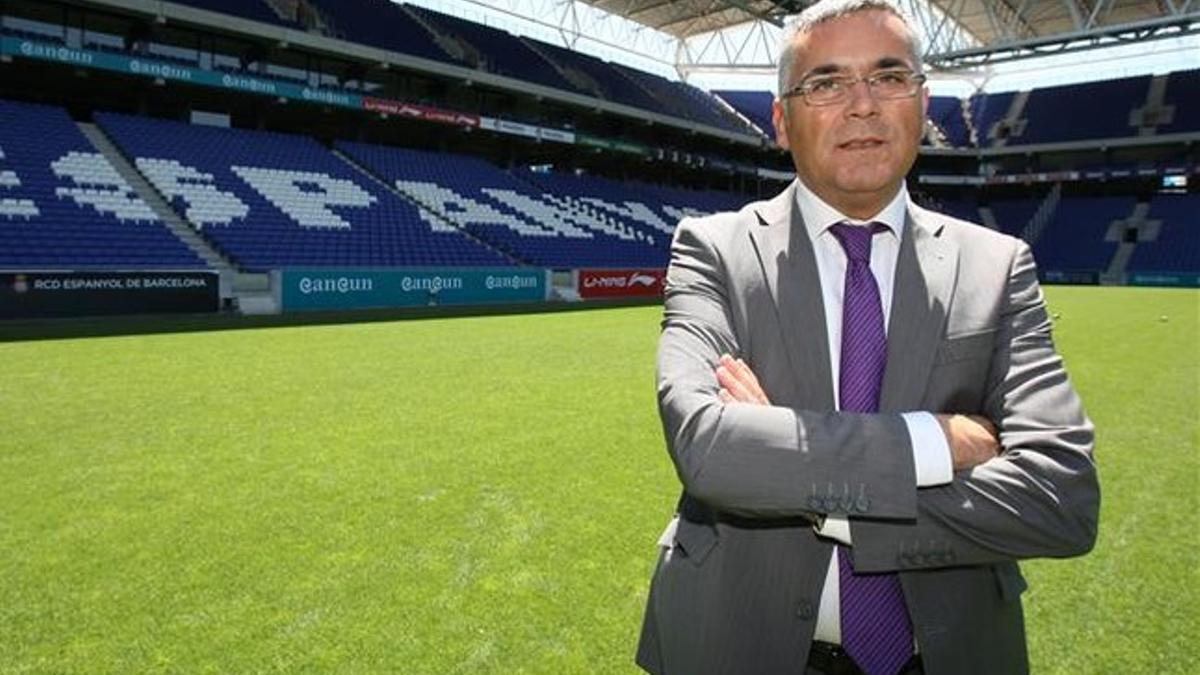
x=287, y=188
x=1082, y=233
x=544, y=219
x=60, y=200
x=266, y=200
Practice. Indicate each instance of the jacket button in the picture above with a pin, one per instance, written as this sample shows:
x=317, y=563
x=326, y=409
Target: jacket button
x=804, y=610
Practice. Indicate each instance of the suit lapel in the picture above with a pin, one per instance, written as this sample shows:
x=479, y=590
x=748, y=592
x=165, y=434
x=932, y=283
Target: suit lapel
x=789, y=269
x=926, y=270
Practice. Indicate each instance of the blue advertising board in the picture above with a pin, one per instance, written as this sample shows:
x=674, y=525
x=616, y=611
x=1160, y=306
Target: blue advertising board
x=354, y=288
x=1069, y=277
x=1164, y=279
x=154, y=68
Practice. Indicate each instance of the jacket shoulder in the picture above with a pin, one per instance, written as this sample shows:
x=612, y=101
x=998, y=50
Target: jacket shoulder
x=723, y=226
x=970, y=236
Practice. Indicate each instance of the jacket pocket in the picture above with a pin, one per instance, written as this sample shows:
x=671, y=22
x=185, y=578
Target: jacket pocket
x=695, y=540
x=973, y=345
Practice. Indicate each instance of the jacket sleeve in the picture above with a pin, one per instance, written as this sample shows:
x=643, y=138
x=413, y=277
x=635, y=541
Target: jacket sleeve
x=1040, y=497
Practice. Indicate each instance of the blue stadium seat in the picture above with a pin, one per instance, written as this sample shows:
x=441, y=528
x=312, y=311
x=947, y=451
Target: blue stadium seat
x=964, y=209
x=1086, y=111
x=500, y=52
x=986, y=111
x=1182, y=88
x=1177, y=248
x=271, y=200
x=606, y=82
x=1075, y=239
x=753, y=105
x=946, y=113
x=380, y=23
x=685, y=101
x=1012, y=215
x=63, y=205
x=541, y=219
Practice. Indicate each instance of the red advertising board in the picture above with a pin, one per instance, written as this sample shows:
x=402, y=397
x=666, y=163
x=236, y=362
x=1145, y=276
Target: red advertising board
x=423, y=112
x=621, y=283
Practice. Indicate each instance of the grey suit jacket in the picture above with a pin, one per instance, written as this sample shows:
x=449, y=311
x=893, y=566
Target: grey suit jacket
x=738, y=588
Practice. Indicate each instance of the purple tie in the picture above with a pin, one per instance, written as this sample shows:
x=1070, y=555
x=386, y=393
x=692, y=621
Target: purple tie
x=876, y=630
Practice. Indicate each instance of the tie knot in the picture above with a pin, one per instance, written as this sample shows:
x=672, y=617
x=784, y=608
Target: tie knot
x=856, y=239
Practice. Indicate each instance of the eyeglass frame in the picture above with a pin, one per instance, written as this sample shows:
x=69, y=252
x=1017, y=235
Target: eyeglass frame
x=804, y=88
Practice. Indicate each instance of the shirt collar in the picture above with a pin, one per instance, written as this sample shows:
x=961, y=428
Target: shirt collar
x=818, y=215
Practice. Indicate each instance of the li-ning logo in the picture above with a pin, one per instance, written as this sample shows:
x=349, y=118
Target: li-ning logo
x=636, y=279
x=434, y=283
x=515, y=281
x=620, y=280
x=308, y=285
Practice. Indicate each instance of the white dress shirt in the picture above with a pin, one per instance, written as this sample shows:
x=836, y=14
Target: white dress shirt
x=931, y=453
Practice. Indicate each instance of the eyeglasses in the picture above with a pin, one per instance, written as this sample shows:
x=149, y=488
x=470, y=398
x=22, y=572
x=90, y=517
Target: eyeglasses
x=831, y=89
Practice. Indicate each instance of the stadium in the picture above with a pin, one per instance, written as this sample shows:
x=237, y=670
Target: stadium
x=328, y=327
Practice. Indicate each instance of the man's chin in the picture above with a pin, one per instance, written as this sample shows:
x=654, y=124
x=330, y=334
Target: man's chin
x=867, y=186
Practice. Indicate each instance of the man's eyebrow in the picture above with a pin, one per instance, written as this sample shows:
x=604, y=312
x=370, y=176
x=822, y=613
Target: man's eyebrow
x=885, y=63
x=889, y=62
x=827, y=69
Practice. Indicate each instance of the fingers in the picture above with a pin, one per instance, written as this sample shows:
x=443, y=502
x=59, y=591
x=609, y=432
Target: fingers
x=729, y=381
x=972, y=439
x=739, y=382
x=751, y=382
x=985, y=423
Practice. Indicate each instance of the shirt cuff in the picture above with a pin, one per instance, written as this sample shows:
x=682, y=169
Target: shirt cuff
x=835, y=527
x=931, y=451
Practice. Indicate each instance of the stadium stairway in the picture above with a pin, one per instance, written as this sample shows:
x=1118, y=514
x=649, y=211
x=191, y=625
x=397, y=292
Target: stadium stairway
x=155, y=201
x=1147, y=230
x=988, y=218
x=1011, y=124
x=1043, y=216
x=446, y=42
x=1155, y=111
x=969, y=123
x=370, y=175
x=577, y=78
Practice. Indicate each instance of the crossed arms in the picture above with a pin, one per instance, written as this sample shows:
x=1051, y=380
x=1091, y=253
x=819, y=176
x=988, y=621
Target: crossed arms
x=1033, y=494
x=972, y=439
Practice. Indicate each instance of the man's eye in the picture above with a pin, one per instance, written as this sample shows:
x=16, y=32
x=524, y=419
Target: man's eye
x=891, y=78
x=824, y=86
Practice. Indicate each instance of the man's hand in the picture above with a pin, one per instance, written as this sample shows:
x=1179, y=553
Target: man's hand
x=738, y=383
x=973, y=439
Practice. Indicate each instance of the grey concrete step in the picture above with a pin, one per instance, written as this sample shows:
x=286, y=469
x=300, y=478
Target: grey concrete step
x=159, y=205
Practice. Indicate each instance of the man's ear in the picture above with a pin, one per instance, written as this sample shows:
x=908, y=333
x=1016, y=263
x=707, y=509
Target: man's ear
x=779, y=120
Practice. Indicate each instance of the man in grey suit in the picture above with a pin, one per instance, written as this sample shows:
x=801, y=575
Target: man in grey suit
x=862, y=400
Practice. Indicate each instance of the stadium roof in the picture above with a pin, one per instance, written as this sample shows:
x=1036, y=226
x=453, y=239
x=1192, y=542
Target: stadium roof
x=685, y=18
x=995, y=29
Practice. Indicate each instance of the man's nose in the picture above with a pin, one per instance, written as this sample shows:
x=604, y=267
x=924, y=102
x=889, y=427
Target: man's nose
x=861, y=100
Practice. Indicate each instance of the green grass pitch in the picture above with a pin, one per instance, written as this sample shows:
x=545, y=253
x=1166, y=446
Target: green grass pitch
x=477, y=495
